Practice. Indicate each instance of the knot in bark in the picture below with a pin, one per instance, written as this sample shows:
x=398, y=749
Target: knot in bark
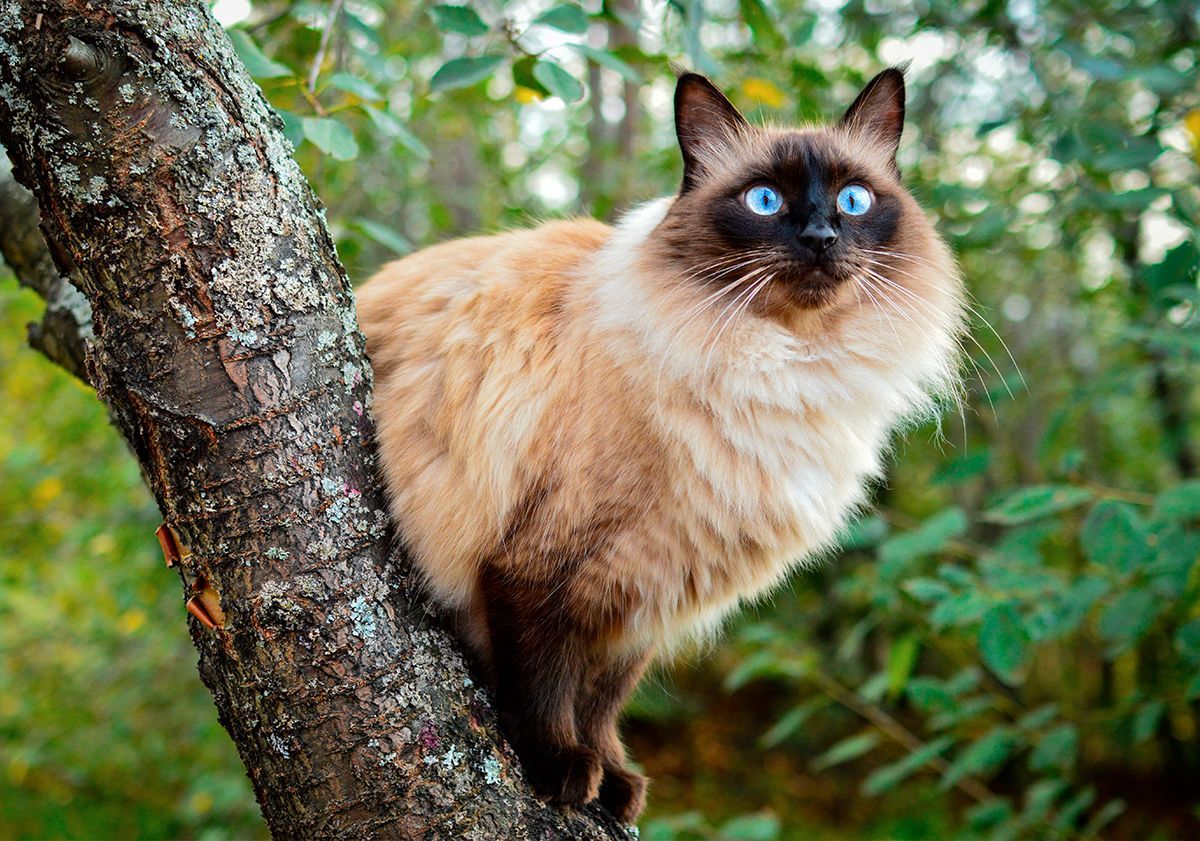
x=81, y=62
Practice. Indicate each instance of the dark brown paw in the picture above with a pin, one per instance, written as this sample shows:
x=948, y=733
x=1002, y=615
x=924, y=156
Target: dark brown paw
x=568, y=775
x=623, y=793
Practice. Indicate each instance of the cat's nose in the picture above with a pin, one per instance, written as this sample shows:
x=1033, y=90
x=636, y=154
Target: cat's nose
x=818, y=235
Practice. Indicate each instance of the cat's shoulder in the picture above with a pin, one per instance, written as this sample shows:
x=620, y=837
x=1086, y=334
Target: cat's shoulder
x=548, y=242
x=520, y=275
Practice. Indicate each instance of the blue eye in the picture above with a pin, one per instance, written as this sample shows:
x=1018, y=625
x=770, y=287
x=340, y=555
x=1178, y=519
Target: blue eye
x=854, y=200
x=763, y=200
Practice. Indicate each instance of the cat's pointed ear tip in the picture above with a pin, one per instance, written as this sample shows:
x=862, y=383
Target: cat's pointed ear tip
x=685, y=79
x=893, y=75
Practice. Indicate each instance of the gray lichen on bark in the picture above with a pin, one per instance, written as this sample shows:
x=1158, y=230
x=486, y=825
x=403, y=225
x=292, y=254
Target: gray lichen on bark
x=226, y=348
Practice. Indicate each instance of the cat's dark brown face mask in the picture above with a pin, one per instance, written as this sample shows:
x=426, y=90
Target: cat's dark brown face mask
x=796, y=213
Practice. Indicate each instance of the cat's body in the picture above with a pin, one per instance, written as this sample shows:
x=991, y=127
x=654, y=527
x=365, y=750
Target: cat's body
x=598, y=441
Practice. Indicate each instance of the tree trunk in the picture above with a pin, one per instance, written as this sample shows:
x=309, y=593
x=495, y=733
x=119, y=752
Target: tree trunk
x=225, y=346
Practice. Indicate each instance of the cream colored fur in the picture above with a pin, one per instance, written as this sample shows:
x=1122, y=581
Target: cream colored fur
x=569, y=358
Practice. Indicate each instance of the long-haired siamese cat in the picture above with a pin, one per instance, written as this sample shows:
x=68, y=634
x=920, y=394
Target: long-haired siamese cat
x=598, y=440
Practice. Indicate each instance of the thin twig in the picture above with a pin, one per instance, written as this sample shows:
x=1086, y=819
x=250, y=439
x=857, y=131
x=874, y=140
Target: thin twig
x=335, y=11
x=896, y=731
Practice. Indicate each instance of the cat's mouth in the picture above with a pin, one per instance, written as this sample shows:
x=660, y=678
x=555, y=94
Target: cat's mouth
x=812, y=284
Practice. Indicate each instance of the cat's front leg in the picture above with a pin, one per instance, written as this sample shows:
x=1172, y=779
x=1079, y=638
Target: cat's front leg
x=622, y=791
x=537, y=668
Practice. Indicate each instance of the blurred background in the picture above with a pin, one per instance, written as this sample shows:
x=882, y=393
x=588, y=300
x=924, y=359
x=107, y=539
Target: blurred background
x=1007, y=646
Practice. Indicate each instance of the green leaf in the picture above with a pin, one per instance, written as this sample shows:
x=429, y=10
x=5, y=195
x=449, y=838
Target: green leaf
x=1039, y=798
x=1138, y=199
x=901, y=660
x=558, y=81
x=1178, y=268
x=791, y=721
x=256, y=61
x=988, y=814
x=762, y=664
x=927, y=589
x=460, y=19
x=382, y=234
x=607, y=59
x=846, y=750
x=1077, y=600
x=969, y=709
x=874, y=688
x=1174, y=560
x=1107, y=813
x=331, y=137
x=353, y=22
x=1105, y=69
x=1187, y=640
x=391, y=126
x=1069, y=812
x=675, y=828
x=1115, y=536
x=889, y=776
x=1056, y=749
x=1139, y=153
x=1181, y=502
x=862, y=533
x=522, y=72
x=956, y=575
x=761, y=826
x=963, y=468
x=1192, y=692
x=293, y=126
x=1003, y=641
x=964, y=680
x=1163, y=79
x=981, y=756
x=464, y=72
x=1129, y=615
x=1038, y=718
x=352, y=84
x=930, y=537
x=958, y=610
x=1145, y=720
x=1036, y=501
x=566, y=17
x=928, y=694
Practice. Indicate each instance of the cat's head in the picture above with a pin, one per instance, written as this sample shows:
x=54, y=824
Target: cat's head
x=799, y=220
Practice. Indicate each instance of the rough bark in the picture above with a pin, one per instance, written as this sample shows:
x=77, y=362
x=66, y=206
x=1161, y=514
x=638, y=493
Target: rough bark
x=225, y=345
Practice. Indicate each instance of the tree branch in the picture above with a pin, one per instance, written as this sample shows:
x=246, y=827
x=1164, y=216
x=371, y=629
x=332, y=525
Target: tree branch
x=226, y=347
x=66, y=326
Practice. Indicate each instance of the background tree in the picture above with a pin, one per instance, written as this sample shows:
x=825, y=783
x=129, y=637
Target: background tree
x=1009, y=645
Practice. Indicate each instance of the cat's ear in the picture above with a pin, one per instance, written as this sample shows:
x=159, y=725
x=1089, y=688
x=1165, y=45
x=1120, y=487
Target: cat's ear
x=878, y=112
x=705, y=121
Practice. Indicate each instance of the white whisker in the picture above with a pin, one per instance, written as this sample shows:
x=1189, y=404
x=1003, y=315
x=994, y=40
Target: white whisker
x=676, y=329
x=930, y=312
x=754, y=290
x=966, y=304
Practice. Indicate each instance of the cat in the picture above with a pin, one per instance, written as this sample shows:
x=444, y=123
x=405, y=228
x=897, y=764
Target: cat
x=597, y=441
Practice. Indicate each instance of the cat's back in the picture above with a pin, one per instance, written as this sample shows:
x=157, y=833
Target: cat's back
x=468, y=343
x=513, y=280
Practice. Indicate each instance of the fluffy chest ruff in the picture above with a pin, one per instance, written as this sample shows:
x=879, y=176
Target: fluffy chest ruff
x=770, y=432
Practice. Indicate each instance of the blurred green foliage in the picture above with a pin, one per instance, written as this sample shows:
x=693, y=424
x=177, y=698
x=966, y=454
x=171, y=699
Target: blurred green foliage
x=1007, y=646
x=105, y=728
